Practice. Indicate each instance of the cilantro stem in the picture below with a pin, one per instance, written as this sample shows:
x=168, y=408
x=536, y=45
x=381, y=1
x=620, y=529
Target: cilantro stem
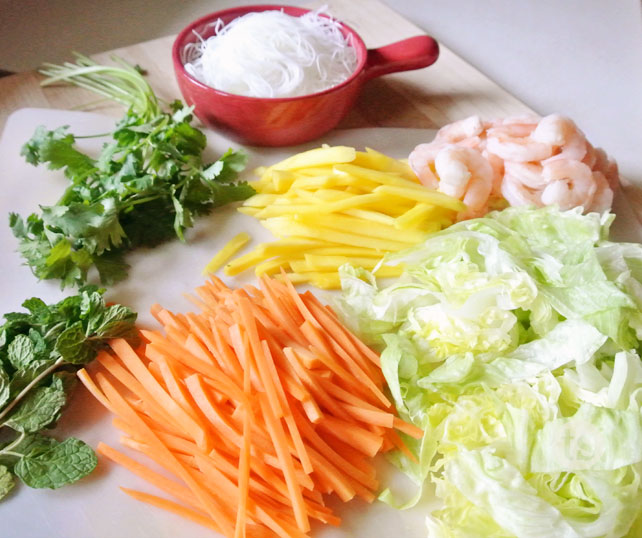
x=26, y=390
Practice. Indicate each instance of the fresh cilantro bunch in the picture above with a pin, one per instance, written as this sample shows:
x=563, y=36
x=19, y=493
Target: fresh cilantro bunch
x=147, y=185
x=40, y=351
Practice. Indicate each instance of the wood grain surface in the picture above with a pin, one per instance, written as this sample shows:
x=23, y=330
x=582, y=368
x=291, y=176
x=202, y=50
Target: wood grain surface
x=448, y=90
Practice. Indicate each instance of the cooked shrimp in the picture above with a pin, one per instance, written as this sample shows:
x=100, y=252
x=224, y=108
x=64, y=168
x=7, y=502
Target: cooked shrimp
x=420, y=160
x=569, y=184
x=518, y=194
x=591, y=157
x=603, y=197
x=530, y=174
x=612, y=174
x=464, y=174
x=460, y=130
x=497, y=165
x=508, y=143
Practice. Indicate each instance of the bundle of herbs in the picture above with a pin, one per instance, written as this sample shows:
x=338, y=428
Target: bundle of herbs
x=40, y=352
x=147, y=185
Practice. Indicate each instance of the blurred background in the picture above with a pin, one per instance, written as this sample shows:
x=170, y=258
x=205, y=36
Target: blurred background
x=579, y=57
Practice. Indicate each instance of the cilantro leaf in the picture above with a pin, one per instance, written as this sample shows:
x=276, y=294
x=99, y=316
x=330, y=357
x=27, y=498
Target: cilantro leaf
x=56, y=149
x=148, y=185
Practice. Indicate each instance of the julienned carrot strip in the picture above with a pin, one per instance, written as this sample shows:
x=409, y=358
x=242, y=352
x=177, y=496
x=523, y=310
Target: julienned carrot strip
x=280, y=444
x=154, y=478
x=358, y=437
x=408, y=429
x=259, y=405
x=227, y=466
x=241, y=348
x=258, y=354
x=170, y=506
x=93, y=389
x=367, y=352
x=291, y=291
x=333, y=327
x=337, y=459
x=123, y=409
x=316, y=337
x=138, y=369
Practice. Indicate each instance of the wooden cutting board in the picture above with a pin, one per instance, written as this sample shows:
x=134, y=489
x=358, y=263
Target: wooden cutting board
x=427, y=98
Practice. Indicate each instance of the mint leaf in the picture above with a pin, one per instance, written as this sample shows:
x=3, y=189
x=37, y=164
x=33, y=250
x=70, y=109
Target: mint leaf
x=39, y=409
x=4, y=387
x=61, y=464
x=117, y=321
x=72, y=345
x=21, y=351
x=7, y=481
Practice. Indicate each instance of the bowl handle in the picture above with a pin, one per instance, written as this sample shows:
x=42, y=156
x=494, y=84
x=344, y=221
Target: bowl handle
x=413, y=53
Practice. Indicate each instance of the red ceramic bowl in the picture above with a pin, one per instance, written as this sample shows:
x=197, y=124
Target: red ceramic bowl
x=290, y=120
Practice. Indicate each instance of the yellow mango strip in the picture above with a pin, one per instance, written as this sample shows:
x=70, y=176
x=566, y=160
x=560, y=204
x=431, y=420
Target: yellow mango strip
x=366, y=228
x=421, y=194
x=244, y=262
x=374, y=216
x=280, y=227
x=422, y=213
x=250, y=211
x=383, y=178
x=313, y=182
x=282, y=180
x=260, y=200
x=317, y=157
x=344, y=251
x=325, y=263
x=230, y=249
x=333, y=205
x=272, y=266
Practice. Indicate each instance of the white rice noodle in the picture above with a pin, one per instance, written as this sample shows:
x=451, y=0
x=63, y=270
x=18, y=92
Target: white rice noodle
x=271, y=54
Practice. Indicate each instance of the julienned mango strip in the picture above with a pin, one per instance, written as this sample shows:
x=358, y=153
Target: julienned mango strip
x=258, y=405
x=364, y=201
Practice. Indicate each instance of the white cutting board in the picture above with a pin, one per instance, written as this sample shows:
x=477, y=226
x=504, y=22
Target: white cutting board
x=95, y=507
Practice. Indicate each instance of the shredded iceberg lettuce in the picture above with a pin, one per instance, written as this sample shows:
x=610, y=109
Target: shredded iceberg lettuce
x=513, y=340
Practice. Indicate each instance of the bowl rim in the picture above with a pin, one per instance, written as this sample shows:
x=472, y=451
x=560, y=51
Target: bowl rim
x=181, y=40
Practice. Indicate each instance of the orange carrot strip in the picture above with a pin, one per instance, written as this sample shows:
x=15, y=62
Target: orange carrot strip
x=316, y=339
x=93, y=389
x=154, y=478
x=261, y=361
x=135, y=366
x=221, y=481
x=365, y=350
x=341, y=335
x=408, y=429
x=305, y=312
x=277, y=434
x=244, y=460
x=337, y=460
x=358, y=437
x=123, y=409
x=173, y=507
